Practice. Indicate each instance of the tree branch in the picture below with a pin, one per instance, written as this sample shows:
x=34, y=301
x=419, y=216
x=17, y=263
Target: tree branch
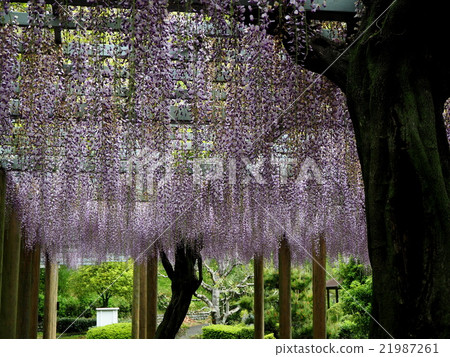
x=200, y=270
x=204, y=299
x=207, y=287
x=325, y=57
x=211, y=273
x=167, y=265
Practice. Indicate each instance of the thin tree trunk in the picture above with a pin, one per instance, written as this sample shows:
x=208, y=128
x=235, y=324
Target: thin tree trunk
x=184, y=284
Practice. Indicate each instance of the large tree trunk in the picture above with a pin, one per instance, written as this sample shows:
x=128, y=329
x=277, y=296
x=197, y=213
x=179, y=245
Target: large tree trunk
x=396, y=78
x=184, y=284
x=395, y=98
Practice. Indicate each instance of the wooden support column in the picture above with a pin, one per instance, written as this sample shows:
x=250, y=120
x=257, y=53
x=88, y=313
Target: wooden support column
x=10, y=281
x=152, y=295
x=24, y=297
x=319, y=289
x=51, y=298
x=258, y=266
x=143, y=301
x=284, y=261
x=135, y=311
x=35, y=279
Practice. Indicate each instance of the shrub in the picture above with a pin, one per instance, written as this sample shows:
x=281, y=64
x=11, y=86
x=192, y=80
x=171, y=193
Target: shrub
x=231, y=332
x=114, y=331
x=227, y=332
x=346, y=329
x=269, y=336
x=70, y=306
x=73, y=324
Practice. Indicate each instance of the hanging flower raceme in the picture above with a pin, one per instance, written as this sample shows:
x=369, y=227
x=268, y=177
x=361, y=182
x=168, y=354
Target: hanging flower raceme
x=147, y=127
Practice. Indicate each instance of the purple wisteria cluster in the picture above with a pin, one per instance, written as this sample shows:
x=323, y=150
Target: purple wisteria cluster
x=146, y=126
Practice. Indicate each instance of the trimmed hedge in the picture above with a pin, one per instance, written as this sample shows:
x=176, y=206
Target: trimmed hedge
x=230, y=332
x=113, y=331
x=73, y=324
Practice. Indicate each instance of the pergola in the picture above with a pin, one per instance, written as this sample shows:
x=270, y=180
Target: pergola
x=19, y=268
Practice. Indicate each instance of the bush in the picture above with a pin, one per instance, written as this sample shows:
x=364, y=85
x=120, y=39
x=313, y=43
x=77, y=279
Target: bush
x=347, y=329
x=73, y=324
x=70, y=306
x=357, y=303
x=227, y=332
x=114, y=331
x=230, y=332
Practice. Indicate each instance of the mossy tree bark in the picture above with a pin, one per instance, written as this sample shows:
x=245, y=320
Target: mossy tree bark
x=395, y=97
x=185, y=283
x=396, y=79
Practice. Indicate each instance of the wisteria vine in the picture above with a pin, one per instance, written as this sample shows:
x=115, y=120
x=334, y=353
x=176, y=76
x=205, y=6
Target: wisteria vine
x=147, y=126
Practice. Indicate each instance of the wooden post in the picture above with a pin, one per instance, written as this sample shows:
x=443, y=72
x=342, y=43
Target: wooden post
x=319, y=289
x=10, y=282
x=2, y=222
x=24, y=295
x=51, y=298
x=152, y=295
x=143, y=301
x=35, y=279
x=284, y=261
x=258, y=267
x=135, y=311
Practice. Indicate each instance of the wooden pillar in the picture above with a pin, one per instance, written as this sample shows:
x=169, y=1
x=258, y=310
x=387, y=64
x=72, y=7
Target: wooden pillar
x=135, y=311
x=10, y=281
x=284, y=261
x=35, y=279
x=2, y=222
x=152, y=295
x=24, y=296
x=258, y=266
x=319, y=289
x=51, y=298
x=143, y=301
x=328, y=298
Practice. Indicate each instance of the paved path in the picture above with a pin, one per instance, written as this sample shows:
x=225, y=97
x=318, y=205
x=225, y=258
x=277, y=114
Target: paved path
x=192, y=331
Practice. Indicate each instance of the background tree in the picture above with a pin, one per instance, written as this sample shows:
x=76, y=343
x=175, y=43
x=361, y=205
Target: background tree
x=99, y=279
x=226, y=282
